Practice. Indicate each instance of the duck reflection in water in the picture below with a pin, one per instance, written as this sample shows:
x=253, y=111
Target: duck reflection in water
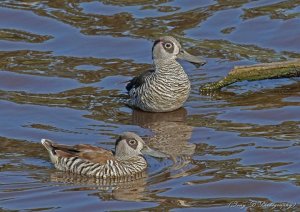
x=171, y=133
x=106, y=189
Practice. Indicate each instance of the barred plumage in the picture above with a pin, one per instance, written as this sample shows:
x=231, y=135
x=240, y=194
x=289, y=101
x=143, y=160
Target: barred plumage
x=94, y=161
x=112, y=168
x=167, y=87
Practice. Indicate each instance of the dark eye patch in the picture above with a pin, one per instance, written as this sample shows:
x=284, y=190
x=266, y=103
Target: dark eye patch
x=132, y=143
x=169, y=47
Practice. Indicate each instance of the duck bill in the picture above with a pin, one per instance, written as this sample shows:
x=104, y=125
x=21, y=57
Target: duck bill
x=184, y=55
x=154, y=153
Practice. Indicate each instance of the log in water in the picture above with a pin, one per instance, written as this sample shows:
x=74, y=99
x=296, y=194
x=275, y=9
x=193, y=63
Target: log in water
x=256, y=72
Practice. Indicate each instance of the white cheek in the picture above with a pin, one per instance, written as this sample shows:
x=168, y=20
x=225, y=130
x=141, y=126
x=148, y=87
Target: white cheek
x=176, y=50
x=139, y=147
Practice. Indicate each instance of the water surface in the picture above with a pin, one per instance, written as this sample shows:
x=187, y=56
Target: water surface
x=64, y=66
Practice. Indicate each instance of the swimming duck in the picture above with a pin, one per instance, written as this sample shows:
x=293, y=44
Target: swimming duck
x=84, y=159
x=167, y=87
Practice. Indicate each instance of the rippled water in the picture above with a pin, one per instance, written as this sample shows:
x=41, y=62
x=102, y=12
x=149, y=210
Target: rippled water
x=64, y=65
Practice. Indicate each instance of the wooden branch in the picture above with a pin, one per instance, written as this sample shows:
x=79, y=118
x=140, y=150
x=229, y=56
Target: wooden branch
x=256, y=72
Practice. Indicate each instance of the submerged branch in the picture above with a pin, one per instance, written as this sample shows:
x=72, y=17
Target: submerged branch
x=256, y=72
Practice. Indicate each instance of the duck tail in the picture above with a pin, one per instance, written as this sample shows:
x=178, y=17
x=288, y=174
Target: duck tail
x=48, y=144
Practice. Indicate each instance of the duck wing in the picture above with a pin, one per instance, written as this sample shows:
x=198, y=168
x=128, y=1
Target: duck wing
x=139, y=80
x=84, y=151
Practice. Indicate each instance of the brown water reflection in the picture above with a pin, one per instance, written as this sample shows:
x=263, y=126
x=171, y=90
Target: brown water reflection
x=63, y=69
x=267, y=106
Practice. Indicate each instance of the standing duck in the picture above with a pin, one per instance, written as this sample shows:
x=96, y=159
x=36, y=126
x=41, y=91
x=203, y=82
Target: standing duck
x=127, y=160
x=167, y=87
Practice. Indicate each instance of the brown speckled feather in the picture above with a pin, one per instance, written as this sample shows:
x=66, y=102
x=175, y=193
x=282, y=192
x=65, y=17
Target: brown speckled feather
x=84, y=151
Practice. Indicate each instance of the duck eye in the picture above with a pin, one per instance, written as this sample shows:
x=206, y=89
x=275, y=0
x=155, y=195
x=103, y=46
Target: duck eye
x=168, y=45
x=132, y=142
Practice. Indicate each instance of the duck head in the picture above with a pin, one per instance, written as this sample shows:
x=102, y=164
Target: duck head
x=168, y=48
x=131, y=145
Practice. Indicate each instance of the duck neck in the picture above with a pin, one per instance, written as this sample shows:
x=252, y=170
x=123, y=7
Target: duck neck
x=122, y=156
x=170, y=66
